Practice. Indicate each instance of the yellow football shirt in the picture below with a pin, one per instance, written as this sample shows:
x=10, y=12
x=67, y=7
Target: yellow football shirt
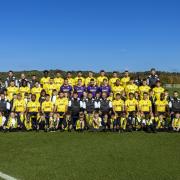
x=24, y=90
x=145, y=105
x=158, y=91
x=176, y=123
x=131, y=105
x=88, y=79
x=19, y=105
x=58, y=82
x=33, y=106
x=100, y=80
x=37, y=92
x=49, y=88
x=124, y=81
x=12, y=90
x=61, y=104
x=71, y=82
x=118, y=105
x=112, y=81
x=131, y=88
x=47, y=106
x=77, y=78
x=144, y=89
x=117, y=89
x=44, y=81
x=161, y=105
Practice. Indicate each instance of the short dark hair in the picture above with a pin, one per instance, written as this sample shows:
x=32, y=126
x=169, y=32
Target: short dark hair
x=153, y=69
x=45, y=71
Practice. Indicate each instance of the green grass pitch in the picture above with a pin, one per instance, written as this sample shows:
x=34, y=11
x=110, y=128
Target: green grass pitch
x=96, y=156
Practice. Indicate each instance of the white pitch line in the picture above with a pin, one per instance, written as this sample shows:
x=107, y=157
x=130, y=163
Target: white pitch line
x=6, y=177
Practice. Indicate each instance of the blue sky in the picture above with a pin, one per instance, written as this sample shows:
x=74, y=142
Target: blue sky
x=90, y=34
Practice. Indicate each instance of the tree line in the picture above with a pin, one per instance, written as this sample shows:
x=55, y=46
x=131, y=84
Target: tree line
x=166, y=77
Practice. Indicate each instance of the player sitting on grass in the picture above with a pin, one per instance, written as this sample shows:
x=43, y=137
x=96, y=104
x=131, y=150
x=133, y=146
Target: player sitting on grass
x=150, y=124
x=53, y=122
x=80, y=123
x=12, y=124
x=123, y=122
x=160, y=123
x=69, y=121
x=176, y=123
x=139, y=122
x=96, y=122
x=2, y=121
x=106, y=123
x=41, y=121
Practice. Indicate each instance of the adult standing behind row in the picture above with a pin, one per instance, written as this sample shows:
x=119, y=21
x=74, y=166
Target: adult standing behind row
x=153, y=78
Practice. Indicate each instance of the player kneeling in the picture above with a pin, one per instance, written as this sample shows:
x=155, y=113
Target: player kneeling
x=176, y=123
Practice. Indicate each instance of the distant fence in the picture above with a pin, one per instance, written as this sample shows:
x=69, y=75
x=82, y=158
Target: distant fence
x=172, y=85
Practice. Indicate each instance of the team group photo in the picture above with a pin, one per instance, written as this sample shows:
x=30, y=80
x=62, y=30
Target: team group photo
x=89, y=90
x=88, y=103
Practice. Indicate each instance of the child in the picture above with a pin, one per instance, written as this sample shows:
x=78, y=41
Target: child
x=96, y=122
x=62, y=122
x=54, y=122
x=2, y=121
x=27, y=123
x=111, y=96
x=123, y=122
x=54, y=96
x=12, y=124
x=150, y=127
x=68, y=120
x=139, y=121
x=41, y=121
x=160, y=123
x=106, y=123
x=176, y=123
x=80, y=124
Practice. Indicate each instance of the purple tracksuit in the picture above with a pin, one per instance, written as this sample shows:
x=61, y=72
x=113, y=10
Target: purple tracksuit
x=67, y=88
x=79, y=90
x=106, y=89
x=93, y=90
